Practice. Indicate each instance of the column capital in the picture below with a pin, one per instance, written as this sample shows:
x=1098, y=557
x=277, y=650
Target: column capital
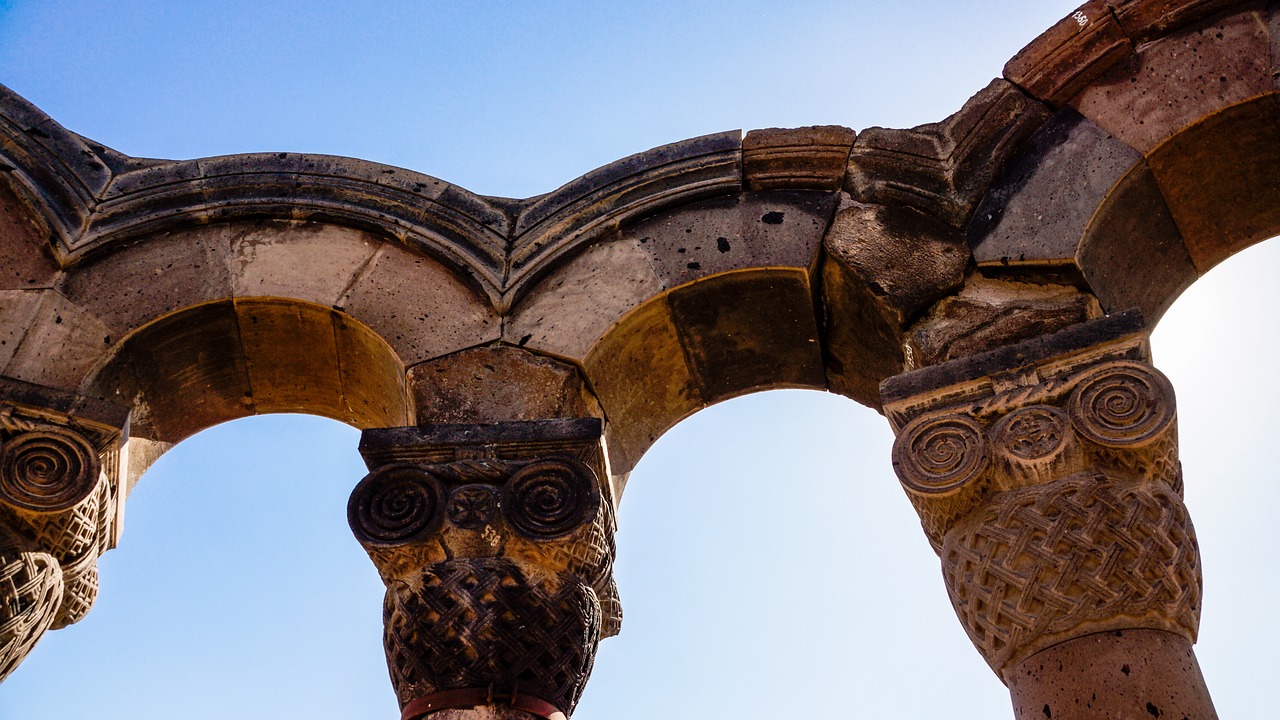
x=1046, y=476
x=62, y=466
x=496, y=545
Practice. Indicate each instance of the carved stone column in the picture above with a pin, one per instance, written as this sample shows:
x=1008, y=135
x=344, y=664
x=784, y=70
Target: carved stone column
x=1046, y=476
x=496, y=546
x=61, y=503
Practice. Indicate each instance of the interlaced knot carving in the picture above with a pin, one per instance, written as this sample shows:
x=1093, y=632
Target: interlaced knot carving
x=1083, y=554
x=481, y=622
x=31, y=590
x=1055, y=506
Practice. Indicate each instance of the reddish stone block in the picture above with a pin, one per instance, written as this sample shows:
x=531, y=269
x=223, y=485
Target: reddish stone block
x=1068, y=56
x=1170, y=84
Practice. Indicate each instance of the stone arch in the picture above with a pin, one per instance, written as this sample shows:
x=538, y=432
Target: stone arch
x=972, y=278
x=1158, y=159
x=210, y=363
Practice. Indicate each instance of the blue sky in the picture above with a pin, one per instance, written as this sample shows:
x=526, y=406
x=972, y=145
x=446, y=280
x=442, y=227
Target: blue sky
x=767, y=557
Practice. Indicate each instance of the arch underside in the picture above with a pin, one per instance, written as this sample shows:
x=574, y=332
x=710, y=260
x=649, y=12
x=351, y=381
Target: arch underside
x=1117, y=160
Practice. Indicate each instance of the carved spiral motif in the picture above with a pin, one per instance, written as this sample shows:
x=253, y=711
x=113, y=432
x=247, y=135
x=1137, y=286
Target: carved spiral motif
x=939, y=455
x=1122, y=404
x=47, y=470
x=395, y=504
x=1032, y=433
x=549, y=498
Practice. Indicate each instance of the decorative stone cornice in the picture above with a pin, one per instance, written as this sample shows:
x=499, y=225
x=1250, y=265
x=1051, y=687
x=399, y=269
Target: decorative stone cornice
x=496, y=545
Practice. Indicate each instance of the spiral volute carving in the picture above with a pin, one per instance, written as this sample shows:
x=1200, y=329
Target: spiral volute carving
x=395, y=504
x=552, y=497
x=1122, y=404
x=940, y=455
x=47, y=470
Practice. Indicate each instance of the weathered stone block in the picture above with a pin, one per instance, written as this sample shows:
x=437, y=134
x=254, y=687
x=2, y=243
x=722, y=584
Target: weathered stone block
x=751, y=331
x=798, y=158
x=26, y=260
x=291, y=357
x=307, y=261
x=1145, y=20
x=1132, y=253
x=885, y=264
x=497, y=384
x=1221, y=182
x=640, y=375
x=988, y=314
x=182, y=374
x=1036, y=213
x=1167, y=85
x=942, y=169
x=422, y=309
x=1068, y=56
x=752, y=230
x=573, y=307
x=61, y=344
x=135, y=285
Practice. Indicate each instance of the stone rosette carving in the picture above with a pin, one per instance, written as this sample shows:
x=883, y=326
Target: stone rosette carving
x=496, y=546
x=1047, y=478
x=59, y=511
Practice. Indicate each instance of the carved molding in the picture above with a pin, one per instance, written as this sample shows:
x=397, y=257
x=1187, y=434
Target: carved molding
x=496, y=546
x=1048, y=481
x=60, y=503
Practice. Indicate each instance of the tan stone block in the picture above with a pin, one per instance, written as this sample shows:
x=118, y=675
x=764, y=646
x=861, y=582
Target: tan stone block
x=422, y=309
x=135, y=285
x=1220, y=180
x=1169, y=84
x=62, y=343
x=750, y=331
x=640, y=376
x=308, y=261
x=751, y=230
x=498, y=384
x=182, y=374
x=291, y=357
x=574, y=306
x=373, y=378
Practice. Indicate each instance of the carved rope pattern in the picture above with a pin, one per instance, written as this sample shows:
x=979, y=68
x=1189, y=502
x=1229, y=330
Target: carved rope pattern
x=1083, y=554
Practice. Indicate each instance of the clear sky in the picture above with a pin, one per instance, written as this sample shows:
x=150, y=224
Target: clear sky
x=768, y=561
